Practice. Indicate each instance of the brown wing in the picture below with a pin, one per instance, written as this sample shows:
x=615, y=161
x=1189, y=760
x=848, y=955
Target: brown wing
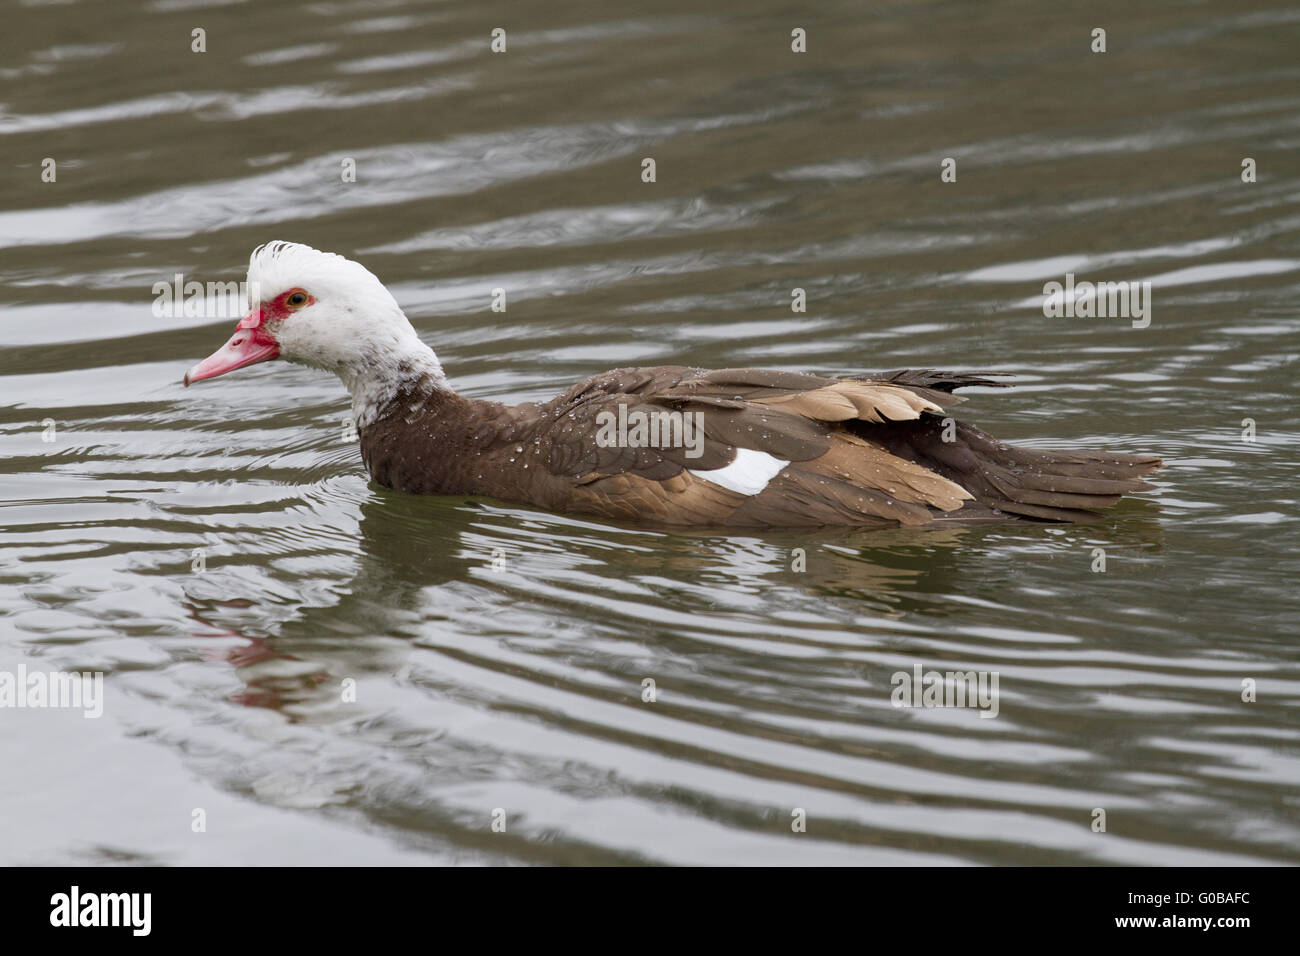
x=787, y=415
x=835, y=476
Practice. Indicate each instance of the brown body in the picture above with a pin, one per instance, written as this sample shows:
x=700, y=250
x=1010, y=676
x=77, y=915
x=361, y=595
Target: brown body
x=868, y=451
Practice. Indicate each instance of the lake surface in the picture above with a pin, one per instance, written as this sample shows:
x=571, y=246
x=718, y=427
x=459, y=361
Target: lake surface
x=497, y=654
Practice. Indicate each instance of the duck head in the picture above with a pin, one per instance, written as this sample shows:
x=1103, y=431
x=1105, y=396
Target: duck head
x=321, y=310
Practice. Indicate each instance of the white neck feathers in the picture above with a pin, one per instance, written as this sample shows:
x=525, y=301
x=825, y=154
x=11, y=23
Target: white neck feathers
x=379, y=376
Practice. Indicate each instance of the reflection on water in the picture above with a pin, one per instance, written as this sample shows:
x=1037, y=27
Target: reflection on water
x=355, y=674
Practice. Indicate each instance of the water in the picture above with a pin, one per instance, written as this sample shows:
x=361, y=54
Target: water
x=498, y=654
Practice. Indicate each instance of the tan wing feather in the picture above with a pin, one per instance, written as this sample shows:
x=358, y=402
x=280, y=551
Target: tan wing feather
x=867, y=465
x=854, y=399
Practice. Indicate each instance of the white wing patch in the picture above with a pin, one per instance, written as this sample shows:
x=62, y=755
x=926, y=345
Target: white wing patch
x=748, y=474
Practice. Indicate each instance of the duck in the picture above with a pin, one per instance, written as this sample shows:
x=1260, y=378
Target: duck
x=669, y=445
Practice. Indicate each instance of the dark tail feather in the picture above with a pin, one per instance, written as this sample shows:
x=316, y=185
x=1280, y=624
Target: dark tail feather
x=1045, y=484
x=932, y=378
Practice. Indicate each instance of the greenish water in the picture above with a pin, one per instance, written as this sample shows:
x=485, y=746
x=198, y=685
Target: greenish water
x=498, y=654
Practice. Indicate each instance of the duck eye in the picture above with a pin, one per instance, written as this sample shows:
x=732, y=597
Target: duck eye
x=297, y=300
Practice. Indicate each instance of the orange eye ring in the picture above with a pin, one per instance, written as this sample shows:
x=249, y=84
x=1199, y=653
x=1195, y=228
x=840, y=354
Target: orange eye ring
x=296, y=300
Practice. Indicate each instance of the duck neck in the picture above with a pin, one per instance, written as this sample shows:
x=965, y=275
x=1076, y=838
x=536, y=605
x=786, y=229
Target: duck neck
x=380, y=377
